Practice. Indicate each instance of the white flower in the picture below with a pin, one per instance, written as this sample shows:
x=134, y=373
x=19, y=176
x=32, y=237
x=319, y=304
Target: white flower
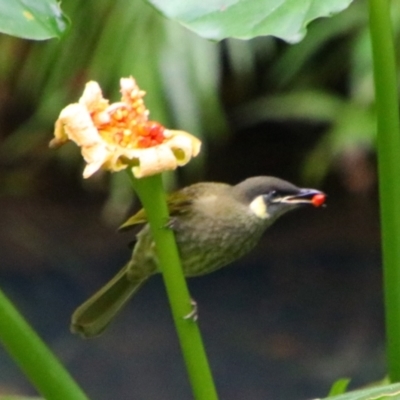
x=120, y=135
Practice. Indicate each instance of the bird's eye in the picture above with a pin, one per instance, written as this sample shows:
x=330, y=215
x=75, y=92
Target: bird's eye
x=273, y=194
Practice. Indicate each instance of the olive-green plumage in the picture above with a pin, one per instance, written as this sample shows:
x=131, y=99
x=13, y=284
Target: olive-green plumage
x=214, y=224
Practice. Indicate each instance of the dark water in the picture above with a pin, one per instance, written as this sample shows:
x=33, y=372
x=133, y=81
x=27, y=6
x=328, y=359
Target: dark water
x=304, y=309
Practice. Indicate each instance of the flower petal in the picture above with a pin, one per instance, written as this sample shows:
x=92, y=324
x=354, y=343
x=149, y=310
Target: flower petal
x=154, y=160
x=95, y=156
x=78, y=125
x=92, y=97
x=184, y=146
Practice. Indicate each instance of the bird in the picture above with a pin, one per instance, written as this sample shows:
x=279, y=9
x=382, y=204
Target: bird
x=214, y=224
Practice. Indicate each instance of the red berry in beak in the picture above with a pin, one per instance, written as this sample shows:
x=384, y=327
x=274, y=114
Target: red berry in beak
x=318, y=200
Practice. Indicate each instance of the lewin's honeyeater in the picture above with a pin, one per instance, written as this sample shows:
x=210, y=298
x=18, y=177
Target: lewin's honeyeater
x=214, y=224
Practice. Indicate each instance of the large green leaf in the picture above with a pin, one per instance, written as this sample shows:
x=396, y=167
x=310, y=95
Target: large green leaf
x=245, y=19
x=32, y=19
x=390, y=392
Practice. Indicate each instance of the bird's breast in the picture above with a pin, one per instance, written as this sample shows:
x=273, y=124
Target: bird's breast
x=215, y=234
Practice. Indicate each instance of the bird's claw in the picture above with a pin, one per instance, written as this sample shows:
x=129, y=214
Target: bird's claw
x=193, y=315
x=170, y=223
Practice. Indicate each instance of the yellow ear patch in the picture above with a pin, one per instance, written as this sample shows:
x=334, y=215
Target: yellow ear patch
x=259, y=208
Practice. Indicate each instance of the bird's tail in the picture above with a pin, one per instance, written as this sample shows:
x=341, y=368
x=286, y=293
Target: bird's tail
x=95, y=314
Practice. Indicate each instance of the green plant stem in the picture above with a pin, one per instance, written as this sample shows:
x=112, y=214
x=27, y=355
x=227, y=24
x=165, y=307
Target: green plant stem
x=151, y=193
x=38, y=363
x=388, y=143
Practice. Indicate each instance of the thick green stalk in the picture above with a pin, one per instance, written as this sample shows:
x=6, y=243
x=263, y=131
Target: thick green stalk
x=388, y=142
x=40, y=366
x=151, y=193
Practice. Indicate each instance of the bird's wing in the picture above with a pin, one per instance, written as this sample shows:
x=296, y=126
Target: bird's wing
x=138, y=219
x=177, y=202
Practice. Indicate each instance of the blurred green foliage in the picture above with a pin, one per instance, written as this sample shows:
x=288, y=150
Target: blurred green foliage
x=325, y=80
x=339, y=387
x=19, y=398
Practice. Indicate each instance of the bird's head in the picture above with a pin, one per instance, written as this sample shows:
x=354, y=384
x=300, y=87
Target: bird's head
x=269, y=197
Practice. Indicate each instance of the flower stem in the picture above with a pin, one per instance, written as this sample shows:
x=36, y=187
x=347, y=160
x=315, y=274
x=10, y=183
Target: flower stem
x=39, y=364
x=151, y=193
x=388, y=143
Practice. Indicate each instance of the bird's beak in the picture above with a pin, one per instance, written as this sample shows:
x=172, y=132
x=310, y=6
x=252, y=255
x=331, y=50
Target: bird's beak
x=305, y=196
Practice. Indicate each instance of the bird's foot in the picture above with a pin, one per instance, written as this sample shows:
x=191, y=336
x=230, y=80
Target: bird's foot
x=193, y=315
x=171, y=223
